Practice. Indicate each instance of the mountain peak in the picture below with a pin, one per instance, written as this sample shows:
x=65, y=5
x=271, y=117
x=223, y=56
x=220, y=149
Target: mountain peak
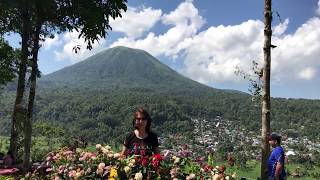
x=120, y=66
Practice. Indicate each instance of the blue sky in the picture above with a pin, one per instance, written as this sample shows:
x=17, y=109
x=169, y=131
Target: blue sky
x=206, y=40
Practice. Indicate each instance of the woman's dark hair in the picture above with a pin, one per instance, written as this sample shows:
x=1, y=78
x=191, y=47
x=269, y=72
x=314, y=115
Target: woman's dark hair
x=145, y=114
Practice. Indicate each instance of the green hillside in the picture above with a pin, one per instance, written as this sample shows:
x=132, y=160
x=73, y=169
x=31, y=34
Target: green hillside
x=96, y=97
x=119, y=67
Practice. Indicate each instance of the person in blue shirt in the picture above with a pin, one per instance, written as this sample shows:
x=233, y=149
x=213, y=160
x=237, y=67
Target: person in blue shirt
x=276, y=169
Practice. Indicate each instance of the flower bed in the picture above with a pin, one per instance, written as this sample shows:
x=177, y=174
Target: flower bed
x=106, y=164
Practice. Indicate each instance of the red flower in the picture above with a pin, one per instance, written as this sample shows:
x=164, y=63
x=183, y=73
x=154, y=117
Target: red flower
x=144, y=161
x=156, y=159
x=207, y=168
x=142, y=152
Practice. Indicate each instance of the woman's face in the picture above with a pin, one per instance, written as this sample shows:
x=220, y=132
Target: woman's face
x=140, y=121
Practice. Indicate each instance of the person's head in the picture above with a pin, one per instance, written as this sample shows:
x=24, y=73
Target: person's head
x=141, y=119
x=274, y=140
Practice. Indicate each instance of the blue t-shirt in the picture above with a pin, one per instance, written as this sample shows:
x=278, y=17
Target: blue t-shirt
x=277, y=155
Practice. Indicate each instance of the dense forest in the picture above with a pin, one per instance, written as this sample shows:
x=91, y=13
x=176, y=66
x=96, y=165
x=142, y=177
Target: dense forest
x=104, y=115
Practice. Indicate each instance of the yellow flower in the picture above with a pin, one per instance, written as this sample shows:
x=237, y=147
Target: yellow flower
x=113, y=173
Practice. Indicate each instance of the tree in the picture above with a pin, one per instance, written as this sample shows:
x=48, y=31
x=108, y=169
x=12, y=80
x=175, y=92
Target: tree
x=38, y=19
x=7, y=63
x=265, y=118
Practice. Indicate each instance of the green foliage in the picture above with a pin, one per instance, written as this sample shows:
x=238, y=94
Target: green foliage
x=7, y=62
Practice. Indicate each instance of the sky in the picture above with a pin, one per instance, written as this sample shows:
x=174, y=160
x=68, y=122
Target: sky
x=206, y=40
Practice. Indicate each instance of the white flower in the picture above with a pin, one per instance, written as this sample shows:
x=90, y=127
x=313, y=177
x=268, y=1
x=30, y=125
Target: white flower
x=138, y=176
x=130, y=164
x=116, y=155
x=132, y=161
x=127, y=169
x=234, y=175
x=176, y=160
x=104, y=150
x=191, y=176
x=99, y=171
x=227, y=178
x=174, y=157
x=215, y=177
x=107, y=147
x=98, y=146
x=88, y=171
x=101, y=165
x=110, y=155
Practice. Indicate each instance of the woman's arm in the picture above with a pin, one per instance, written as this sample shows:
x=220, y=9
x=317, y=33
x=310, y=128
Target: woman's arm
x=123, y=153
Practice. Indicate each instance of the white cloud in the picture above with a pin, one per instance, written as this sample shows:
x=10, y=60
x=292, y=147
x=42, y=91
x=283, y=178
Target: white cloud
x=281, y=28
x=51, y=42
x=135, y=21
x=307, y=73
x=185, y=21
x=213, y=54
x=71, y=40
x=185, y=15
x=298, y=50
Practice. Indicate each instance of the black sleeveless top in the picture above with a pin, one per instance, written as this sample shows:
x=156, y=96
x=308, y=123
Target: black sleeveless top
x=143, y=147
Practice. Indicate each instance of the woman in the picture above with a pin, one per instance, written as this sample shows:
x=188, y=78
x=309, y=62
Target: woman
x=8, y=160
x=141, y=141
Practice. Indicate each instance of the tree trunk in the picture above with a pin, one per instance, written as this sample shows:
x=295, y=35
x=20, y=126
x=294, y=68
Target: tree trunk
x=266, y=90
x=32, y=92
x=21, y=85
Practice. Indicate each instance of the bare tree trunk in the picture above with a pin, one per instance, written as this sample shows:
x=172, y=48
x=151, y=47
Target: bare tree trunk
x=32, y=92
x=21, y=84
x=266, y=90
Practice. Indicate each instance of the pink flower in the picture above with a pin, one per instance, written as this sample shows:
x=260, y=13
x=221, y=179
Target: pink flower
x=66, y=153
x=72, y=173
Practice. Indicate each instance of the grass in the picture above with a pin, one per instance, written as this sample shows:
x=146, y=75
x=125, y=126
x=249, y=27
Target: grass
x=6, y=178
x=254, y=171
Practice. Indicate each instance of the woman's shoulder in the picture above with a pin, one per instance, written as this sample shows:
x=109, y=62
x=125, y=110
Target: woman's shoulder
x=130, y=135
